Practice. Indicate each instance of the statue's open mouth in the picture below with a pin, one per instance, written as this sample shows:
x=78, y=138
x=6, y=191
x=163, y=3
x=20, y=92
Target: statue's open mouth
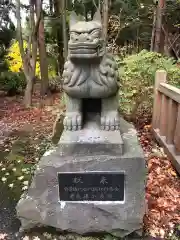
x=83, y=49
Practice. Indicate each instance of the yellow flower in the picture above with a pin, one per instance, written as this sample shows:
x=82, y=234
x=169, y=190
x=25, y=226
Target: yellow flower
x=14, y=60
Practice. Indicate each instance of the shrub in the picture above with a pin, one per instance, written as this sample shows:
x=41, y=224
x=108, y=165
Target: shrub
x=12, y=82
x=55, y=84
x=137, y=76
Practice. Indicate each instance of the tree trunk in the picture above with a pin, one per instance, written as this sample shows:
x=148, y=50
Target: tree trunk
x=29, y=58
x=167, y=51
x=60, y=58
x=28, y=91
x=153, y=29
x=105, y=19
x=60, y=53
x=43, y=59
x=65, y=39
x=159, y=36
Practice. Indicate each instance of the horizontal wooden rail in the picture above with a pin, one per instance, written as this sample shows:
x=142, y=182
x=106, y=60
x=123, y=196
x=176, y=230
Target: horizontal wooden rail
x=170, y=91
x=166, y=117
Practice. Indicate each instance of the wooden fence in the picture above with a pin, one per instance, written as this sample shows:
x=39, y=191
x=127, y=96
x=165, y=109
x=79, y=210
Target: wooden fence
x=166, y=117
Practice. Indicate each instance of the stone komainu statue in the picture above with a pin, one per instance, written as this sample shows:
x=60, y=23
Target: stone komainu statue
x=89, y=73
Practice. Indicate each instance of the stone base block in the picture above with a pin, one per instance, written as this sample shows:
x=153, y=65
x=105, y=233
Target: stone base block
x=41, y=204
x=91, y=140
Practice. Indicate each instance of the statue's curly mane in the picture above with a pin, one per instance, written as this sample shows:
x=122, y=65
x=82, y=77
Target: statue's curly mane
x=103, y=74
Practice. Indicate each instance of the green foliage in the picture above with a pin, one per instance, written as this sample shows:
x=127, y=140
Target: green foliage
x=55, y=84
x=3, y=63
x=12, y=82
x=175, y=233
x=135, y=19
x=137, y=75
x=7, y=32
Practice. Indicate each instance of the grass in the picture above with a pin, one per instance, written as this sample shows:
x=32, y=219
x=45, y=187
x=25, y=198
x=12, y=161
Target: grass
x=18, y=164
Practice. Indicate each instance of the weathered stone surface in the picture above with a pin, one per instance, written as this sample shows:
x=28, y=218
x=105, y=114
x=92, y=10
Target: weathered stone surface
x=91, y=140
x=89, y=73
x=41, y=204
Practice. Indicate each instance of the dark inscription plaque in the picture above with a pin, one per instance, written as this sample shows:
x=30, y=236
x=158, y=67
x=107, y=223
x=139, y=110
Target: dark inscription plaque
x=91, y=186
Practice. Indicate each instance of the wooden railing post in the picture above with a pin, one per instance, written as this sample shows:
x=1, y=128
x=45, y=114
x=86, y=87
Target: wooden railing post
x=172, y=119
x=160, y=77
x=163, y=121
x=177, y=133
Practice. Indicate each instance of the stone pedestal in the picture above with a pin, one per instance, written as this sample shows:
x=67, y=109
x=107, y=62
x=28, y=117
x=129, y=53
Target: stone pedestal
x=84, y=151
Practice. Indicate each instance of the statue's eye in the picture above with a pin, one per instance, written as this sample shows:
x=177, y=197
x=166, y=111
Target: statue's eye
x=74, y=36
x=95, y=34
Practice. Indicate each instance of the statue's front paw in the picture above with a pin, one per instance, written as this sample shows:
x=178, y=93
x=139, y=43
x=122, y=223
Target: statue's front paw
x=110, y=121
x=73, y=121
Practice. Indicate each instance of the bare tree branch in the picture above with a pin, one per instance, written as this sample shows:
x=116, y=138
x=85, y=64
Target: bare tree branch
x=29, y=40
x=19, y=28
x=95, y=5
x=38, y=14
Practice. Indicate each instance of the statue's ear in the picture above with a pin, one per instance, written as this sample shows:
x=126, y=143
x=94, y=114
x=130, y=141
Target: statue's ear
x=73, y=19
x=97, y=16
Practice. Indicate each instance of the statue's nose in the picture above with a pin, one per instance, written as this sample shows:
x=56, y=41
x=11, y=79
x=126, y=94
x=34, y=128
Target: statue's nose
x=84, y=37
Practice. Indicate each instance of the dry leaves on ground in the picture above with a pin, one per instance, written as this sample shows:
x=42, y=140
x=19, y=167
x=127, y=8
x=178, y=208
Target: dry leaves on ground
x=163, y=183
x=162, y=188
